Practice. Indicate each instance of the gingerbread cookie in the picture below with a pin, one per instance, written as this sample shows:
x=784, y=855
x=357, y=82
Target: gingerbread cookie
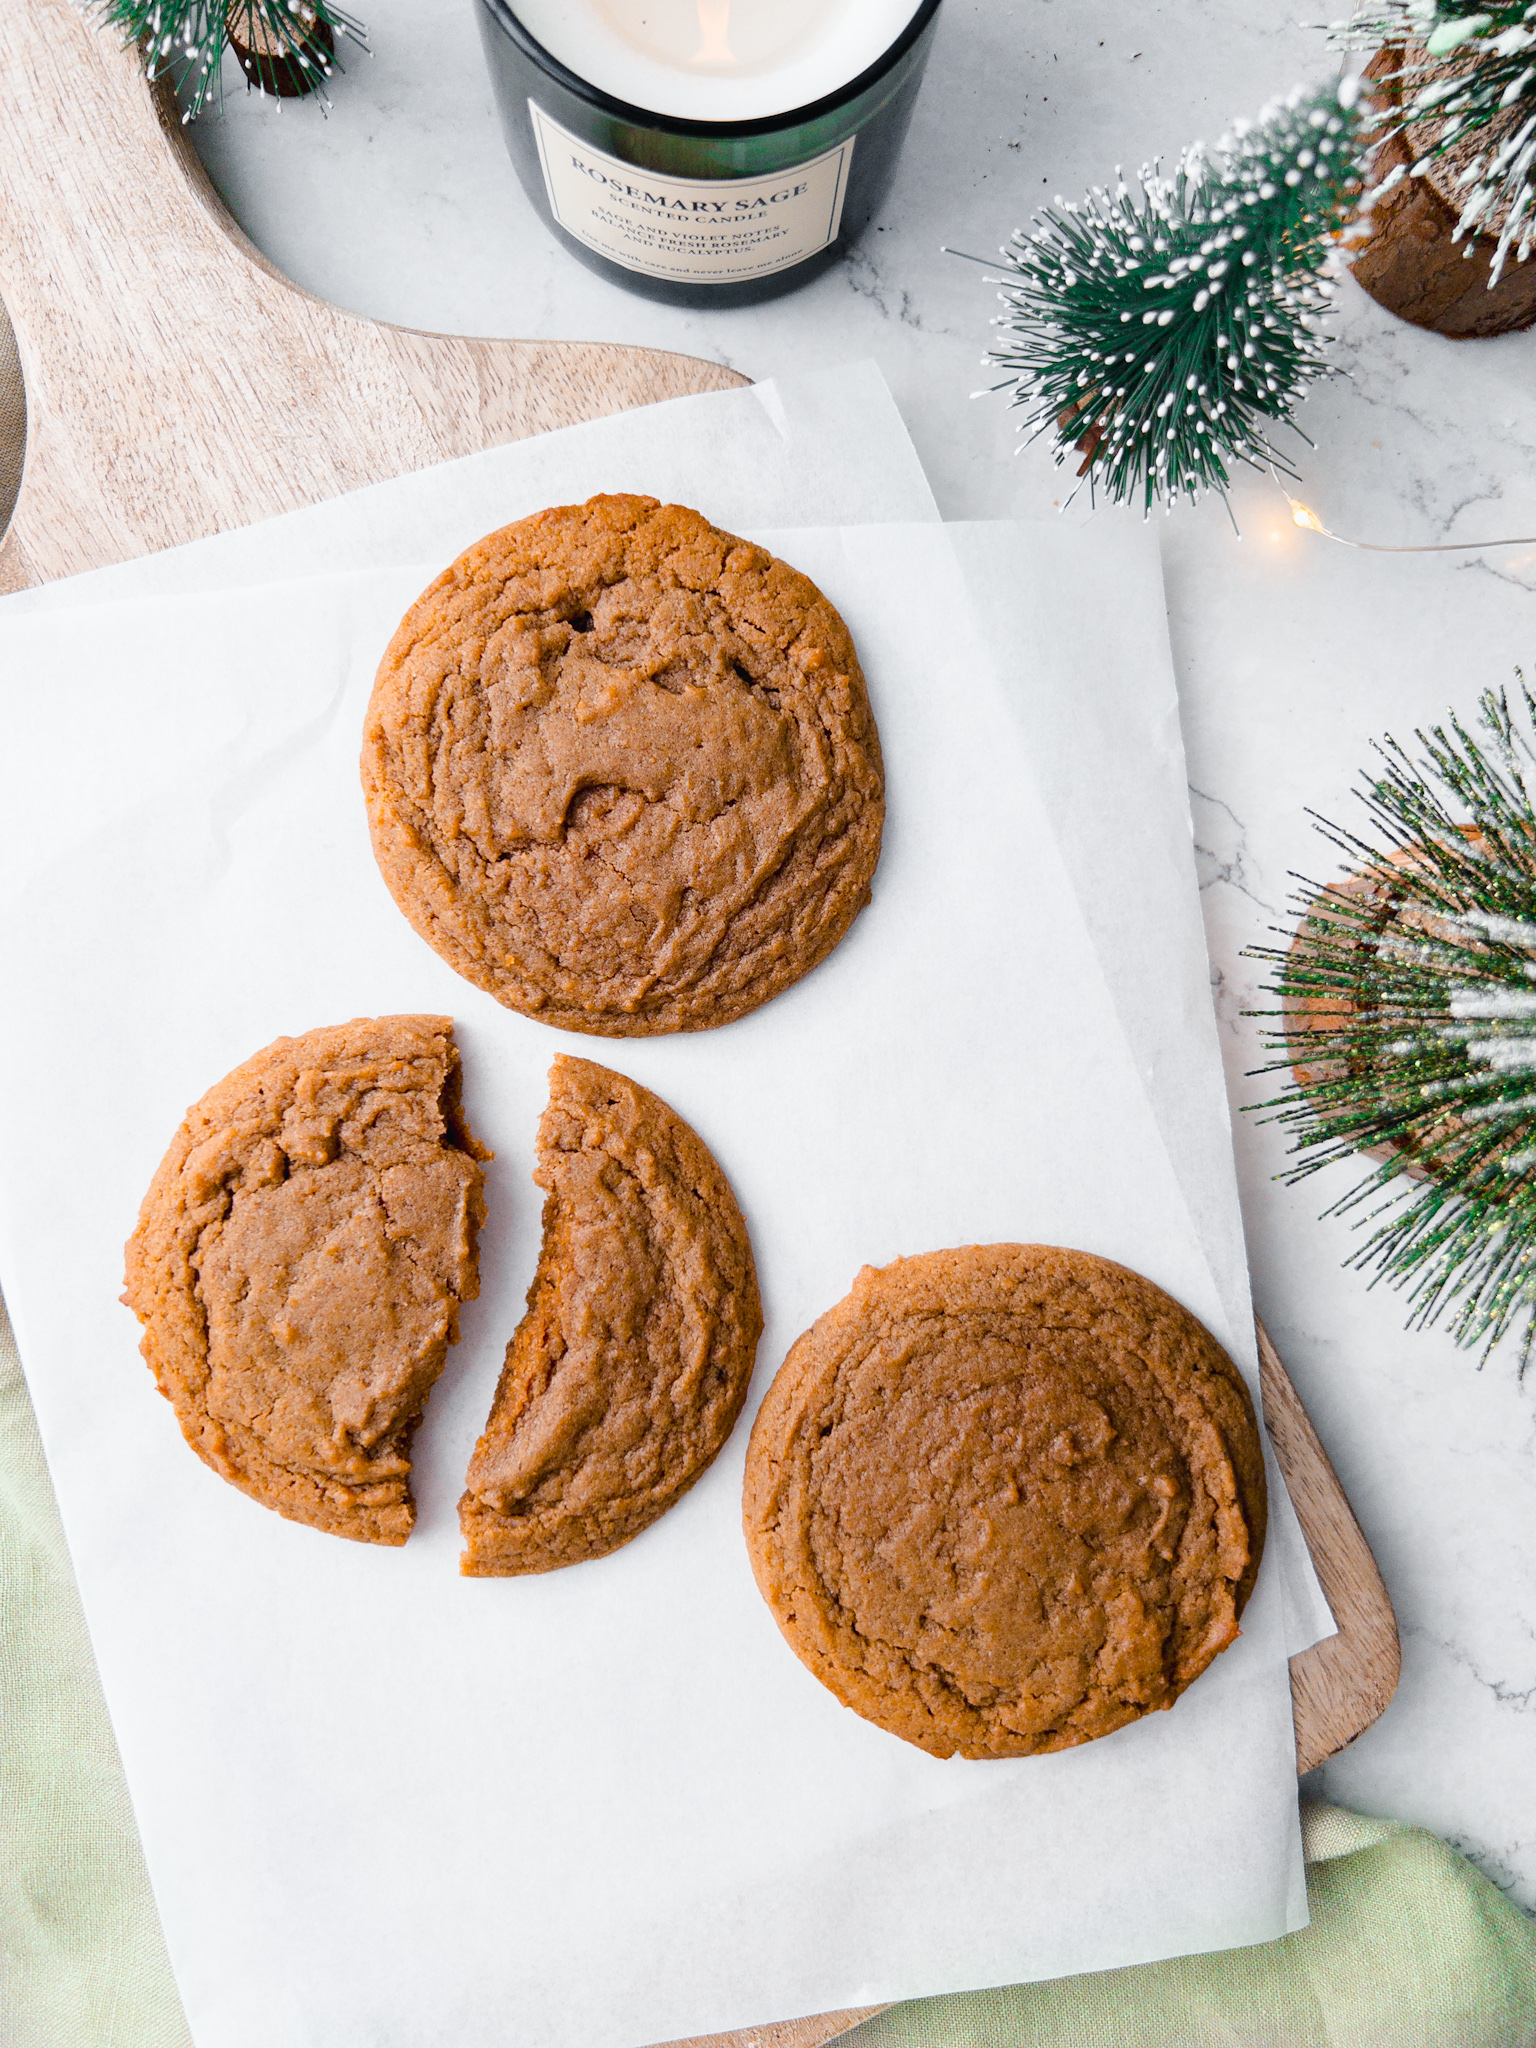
x=628, y=1371
x=1005, y=1499
x=621, y=770
x=299, y=1263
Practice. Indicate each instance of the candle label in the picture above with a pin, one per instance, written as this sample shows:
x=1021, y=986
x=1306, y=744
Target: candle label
x=691, y=228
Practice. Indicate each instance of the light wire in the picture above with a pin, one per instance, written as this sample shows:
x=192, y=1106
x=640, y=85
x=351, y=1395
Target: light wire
x=1304, y=517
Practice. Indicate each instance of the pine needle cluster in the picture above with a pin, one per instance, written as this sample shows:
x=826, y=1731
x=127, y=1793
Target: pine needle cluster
x=184, y=39
x=1468, y=71
x=1409, y=1023
x=1164, y=331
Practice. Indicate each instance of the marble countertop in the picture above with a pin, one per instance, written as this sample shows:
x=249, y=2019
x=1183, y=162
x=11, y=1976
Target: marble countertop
x=1293, y=655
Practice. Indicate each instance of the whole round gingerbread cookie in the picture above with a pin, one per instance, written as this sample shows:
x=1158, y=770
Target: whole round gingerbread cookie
x=1006, y=1499
x=622, y=772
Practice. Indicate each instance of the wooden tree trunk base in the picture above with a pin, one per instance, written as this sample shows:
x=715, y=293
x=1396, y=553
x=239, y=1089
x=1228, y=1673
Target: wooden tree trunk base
x=1410, y=264
x=272, y=68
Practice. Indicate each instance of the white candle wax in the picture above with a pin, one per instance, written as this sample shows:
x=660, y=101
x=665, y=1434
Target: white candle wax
x=716, y=60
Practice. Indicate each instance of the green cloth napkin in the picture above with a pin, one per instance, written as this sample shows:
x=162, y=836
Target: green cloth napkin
x=82, y=1959
x=1409, y=1946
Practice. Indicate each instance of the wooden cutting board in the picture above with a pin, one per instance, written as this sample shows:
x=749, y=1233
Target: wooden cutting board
x=177, y=385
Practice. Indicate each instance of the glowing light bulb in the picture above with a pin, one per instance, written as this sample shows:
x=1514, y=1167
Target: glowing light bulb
x=1306, y=518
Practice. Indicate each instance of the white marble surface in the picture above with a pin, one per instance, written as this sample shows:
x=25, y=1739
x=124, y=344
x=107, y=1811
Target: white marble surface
x=1292, y=655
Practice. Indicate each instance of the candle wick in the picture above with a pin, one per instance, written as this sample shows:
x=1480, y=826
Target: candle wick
x=714, y=32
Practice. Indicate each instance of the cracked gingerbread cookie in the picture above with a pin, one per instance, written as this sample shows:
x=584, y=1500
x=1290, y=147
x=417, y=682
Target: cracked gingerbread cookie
x=299, y=1263
x=1005, y=1499
x=621, y=770
x=629, y=1369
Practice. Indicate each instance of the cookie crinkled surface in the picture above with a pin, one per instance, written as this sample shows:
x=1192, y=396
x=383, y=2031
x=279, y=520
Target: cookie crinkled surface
x=299, y=1264
x=622, y=772
x=628, y=1372
x=1006, y=1499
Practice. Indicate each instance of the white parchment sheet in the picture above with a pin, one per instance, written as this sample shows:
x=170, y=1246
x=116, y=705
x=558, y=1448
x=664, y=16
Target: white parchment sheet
x=384, y=1807
x=1098, y=711
x=827, y=448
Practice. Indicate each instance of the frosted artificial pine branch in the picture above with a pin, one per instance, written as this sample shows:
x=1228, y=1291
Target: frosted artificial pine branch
x=1409, y=1023
x=1491, y=93
x=1161, y=332
x=184, y=39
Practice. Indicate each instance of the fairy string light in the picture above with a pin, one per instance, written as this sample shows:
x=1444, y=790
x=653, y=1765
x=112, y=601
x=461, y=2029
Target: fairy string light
x=1303, y=516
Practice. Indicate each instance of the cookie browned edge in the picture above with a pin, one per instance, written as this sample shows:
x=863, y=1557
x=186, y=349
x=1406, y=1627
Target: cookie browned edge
x=397, y=845
x=502, y=1546
x=773, y=1482
x=166, y=1236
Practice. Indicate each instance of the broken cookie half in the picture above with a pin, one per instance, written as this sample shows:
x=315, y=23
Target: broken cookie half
x=628, y=1372
x=299, y=1264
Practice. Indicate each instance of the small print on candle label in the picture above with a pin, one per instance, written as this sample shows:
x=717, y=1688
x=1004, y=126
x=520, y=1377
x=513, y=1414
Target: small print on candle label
x=690, y=228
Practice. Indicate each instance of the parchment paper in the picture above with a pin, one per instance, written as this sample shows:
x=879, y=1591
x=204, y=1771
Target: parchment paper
x=824, y=449
x=385, y=1806
x=829, y=448
x=1099, y=718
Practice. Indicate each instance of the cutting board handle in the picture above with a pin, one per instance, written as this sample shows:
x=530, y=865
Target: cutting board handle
x=176, y=383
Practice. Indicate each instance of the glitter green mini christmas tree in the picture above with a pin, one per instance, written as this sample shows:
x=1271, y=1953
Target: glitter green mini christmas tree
x=1409, y=1022
x=284, y=46
x=1161, y=396
x=1165, y=331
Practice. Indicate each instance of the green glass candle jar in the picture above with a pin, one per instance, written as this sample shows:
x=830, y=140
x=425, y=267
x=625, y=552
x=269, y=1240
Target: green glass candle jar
x=682, y=205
